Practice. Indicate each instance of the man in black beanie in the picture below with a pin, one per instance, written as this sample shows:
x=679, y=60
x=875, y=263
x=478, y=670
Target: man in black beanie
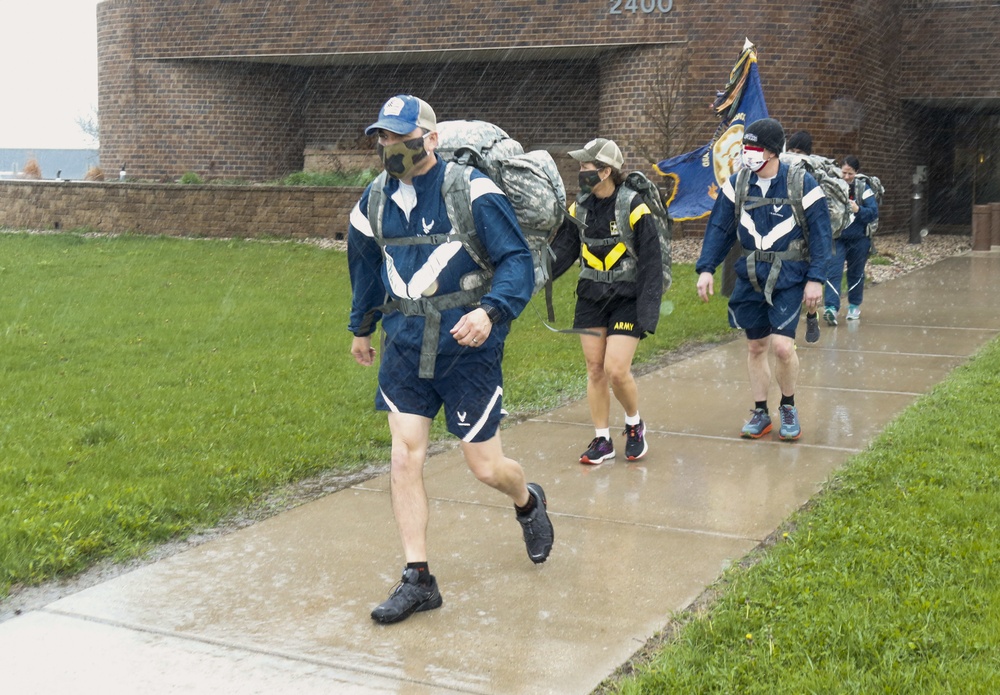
x=801, y=142
x=783, y=263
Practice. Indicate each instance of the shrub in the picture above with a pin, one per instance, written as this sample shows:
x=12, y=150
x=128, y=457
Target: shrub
x=191, y=177
x=31, y=169
x=94, y=174
x=336, y=178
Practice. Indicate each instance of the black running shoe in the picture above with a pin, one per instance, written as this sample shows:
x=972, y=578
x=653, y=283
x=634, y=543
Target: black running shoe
x=601, y=449
x=408, y=597
x=635, y=441
x=538, y=533
x=812, y=328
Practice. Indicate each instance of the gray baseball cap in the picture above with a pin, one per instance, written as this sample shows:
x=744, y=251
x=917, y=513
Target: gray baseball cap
x=602, y=151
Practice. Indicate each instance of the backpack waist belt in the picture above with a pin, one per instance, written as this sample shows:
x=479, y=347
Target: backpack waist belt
x=617, y=274
x=775, y=258
x=617, y=266
x=430, y=308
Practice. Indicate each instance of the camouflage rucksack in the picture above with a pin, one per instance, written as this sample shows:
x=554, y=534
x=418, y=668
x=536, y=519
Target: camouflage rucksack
x=875, y=186
x=831, y=180
x=530, y=180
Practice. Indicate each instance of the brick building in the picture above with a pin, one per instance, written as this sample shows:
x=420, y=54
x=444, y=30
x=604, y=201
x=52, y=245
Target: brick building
x=241, y=88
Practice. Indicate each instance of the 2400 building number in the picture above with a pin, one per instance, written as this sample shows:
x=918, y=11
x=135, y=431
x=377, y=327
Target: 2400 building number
x=644, y=6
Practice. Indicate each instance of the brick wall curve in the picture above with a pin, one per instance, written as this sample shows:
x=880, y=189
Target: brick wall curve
x=202, y=85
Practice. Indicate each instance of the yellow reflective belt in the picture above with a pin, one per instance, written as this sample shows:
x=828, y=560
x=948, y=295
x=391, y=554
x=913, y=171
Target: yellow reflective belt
x=613, y=256
x=617, y=252
x=592, y=260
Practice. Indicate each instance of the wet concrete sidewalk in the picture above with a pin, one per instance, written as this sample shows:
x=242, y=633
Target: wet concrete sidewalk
x=283, y=606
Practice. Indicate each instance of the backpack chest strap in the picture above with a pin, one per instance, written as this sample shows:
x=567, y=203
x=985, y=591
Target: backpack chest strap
x=434, y=239
x=795, y=252
x=754, y=202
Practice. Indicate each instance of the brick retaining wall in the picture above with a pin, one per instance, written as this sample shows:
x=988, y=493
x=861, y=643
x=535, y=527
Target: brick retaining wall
x=178, y=210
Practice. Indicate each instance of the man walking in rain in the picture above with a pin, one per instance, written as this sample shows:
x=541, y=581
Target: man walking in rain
x=781, y=221
x=444, y=346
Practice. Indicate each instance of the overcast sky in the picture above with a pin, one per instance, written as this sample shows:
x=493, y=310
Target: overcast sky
x=48, y=77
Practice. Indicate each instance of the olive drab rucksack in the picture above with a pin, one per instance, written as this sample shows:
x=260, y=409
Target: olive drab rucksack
x=875, y=186
x=626, y=268
x=531, y=182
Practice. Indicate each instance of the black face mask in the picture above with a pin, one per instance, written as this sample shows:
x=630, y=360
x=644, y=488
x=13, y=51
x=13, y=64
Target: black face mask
x=588, y=179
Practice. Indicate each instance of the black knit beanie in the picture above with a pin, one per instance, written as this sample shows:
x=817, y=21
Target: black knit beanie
x=801, y=140
x=766, y=133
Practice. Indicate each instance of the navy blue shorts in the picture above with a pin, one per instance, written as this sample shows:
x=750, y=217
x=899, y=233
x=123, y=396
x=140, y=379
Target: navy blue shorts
x=619, y=315
x=469, y=386
x=748, y=311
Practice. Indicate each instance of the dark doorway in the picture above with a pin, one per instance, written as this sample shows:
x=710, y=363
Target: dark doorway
x=963, y=157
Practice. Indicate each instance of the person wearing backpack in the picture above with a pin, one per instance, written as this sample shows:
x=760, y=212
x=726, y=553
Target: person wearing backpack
x=411, y=261
x=851, y=248
x=800, y=143
x=778, y=215
x=618, y=293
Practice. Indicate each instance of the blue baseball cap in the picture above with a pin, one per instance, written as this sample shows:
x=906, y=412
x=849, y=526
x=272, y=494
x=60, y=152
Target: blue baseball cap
x=403, y=114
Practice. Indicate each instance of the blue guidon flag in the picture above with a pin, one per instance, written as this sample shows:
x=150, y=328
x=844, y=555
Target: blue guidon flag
x=698, y=176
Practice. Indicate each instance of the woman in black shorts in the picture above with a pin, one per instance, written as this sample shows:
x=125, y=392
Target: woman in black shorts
x=618, y=293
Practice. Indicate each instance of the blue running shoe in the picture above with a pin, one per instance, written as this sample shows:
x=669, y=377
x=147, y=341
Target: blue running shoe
x=759, y=425
x=830, y=315
x=789, y=423
x=853, y=312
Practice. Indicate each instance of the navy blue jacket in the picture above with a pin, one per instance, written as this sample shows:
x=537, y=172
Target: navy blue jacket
x=867, y=211
x=769, y=228
x=426, y=270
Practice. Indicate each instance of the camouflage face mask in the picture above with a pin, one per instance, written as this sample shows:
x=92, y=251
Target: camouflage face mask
x=399, y=158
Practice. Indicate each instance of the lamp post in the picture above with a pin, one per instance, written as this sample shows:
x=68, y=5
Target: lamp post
x=916, y=212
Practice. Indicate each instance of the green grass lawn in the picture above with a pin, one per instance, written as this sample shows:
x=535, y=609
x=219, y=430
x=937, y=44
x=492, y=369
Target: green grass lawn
x=888, y=582
x=155, y=386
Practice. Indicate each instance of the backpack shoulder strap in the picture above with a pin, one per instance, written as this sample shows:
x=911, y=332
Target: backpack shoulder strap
x=457, y=192
x=742, y=190
x=580, y=212
x=623, y=217
x=376, y=206
x=861, y=185
x=796, y=178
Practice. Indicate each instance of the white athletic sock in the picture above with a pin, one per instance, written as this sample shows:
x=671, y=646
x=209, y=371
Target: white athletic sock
x=633, y=419
x=606, y=433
